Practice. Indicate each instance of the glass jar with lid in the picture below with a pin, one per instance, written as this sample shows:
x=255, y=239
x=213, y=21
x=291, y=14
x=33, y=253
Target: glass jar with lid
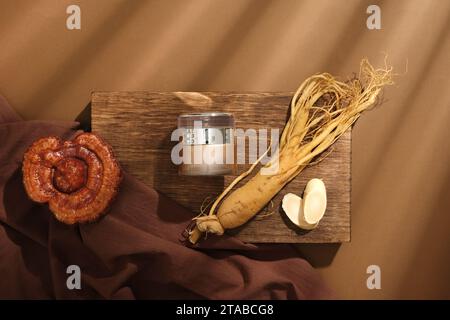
x=207, y=144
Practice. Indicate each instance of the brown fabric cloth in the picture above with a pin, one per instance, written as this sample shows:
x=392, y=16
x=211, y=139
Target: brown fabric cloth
x=134, y=251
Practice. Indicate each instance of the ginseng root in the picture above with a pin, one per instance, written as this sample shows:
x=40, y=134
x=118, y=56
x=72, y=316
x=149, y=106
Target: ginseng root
x=321, y=110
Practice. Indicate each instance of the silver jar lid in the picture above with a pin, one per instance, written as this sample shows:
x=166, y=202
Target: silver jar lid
x=194, y=136
x=206, y=128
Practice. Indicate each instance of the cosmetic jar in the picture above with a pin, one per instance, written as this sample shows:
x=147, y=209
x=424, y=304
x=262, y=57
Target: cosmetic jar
x=207, y=144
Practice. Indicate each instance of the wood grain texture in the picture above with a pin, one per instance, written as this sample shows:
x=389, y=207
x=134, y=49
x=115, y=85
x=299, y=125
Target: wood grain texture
x=138, y=125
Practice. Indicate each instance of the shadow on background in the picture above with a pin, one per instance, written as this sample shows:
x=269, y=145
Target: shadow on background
x=319, y=255
x=84, y=118
x=233, y=40
x=80, y=60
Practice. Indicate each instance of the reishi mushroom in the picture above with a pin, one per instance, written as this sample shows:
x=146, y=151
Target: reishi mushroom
x=78, y=178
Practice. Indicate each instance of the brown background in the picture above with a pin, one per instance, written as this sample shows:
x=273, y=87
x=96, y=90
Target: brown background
x=401, y=174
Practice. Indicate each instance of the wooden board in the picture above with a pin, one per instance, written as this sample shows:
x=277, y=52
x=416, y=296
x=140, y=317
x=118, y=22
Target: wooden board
x=138, y=125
